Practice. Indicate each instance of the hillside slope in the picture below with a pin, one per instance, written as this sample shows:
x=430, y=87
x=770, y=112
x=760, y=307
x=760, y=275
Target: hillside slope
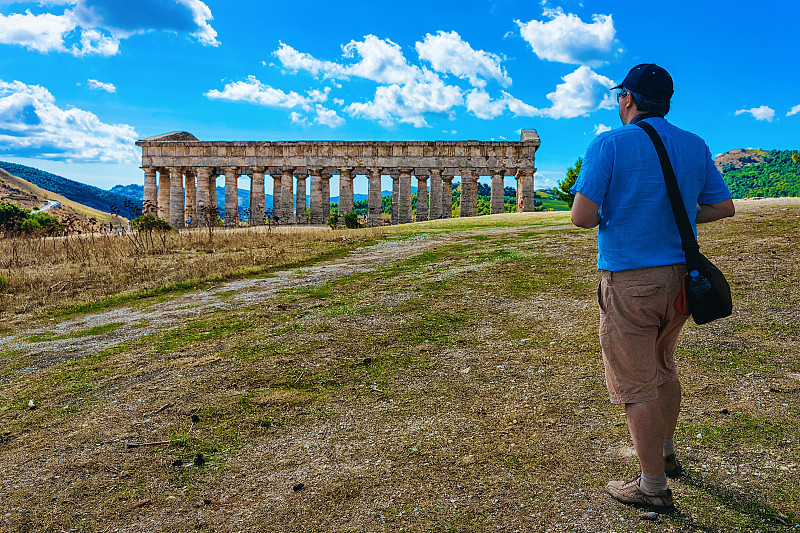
x=760, y=173
x=28, y=196
x=82, y=193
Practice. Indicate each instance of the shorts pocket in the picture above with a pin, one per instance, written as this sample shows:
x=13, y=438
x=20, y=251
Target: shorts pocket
x=600, y=296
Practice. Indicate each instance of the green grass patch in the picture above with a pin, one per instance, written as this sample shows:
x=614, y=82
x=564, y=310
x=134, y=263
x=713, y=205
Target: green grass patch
x=742, y=431
x=88, y=332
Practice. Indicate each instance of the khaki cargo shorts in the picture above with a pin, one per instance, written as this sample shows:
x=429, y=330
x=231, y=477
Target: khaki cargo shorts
x=639, y=329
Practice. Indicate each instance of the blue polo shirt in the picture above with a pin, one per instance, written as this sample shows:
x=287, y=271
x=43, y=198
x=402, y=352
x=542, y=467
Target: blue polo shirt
x=621, y=173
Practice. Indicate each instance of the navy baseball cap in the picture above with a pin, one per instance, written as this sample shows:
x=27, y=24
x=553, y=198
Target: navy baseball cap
x=649, y=80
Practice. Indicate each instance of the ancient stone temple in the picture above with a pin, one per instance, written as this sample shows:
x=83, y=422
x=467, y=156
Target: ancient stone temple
x=180, y=175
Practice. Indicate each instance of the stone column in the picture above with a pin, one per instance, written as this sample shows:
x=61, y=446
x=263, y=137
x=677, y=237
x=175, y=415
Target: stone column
x=150, y=197
x=231, y=196
x=374, y=199
x=404, y=212
x=436, y=194
x=469, y=194
x=395, y=195
x=498, y=192
x=525, y=190
x=191, y=198
x=346, y=200
x=257, y=197
x=277, y=196
x=203, y=204
x=213, y=213
x=163, y=194
x=176, y=198
x=325, y=181
x=422, y=198
x=447, y=196
x=300, y=200
x=315, y=199
x=287, y=195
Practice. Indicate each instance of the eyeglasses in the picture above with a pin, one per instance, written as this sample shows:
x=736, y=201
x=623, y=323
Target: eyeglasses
x=621, y=95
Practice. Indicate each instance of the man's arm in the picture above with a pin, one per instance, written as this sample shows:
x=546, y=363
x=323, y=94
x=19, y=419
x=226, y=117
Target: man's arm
x=585, y=213
x=712, y=212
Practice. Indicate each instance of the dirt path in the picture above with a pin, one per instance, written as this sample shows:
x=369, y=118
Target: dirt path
x=135, y=322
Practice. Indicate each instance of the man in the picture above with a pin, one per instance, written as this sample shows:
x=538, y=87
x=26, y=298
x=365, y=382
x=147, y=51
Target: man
x=621, y=189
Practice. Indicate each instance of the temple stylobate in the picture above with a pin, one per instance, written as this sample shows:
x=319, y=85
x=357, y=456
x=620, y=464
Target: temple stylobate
x=180, y=175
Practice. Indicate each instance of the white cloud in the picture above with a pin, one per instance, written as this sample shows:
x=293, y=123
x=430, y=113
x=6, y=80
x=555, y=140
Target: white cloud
x=449, y=54
x=95, y=27
x=408, y=103
x=565, y=38
x=480, y=104
x=201, y=14
x=760, y=113
x=298, y=119
x=295, y=61
x=327, y=117
x=601, y=128
x=93, y=42
x=32, y=125
x=40, y=33
x=582, y=92
x=255, y=92
x=380, y=60
x=99, y=85
x=795, y=110
x=407, y=93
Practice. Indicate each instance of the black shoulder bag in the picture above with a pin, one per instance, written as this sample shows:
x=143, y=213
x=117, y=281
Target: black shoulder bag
x=706, y=293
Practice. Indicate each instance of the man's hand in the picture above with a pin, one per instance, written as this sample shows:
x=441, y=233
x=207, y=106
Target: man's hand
x=585, y=213
x=712, y=212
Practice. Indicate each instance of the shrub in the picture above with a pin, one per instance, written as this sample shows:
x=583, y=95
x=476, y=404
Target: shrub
x=46, y=223
x=351, y=220
x=333, y=221
x=150, y=223
x=4, y=282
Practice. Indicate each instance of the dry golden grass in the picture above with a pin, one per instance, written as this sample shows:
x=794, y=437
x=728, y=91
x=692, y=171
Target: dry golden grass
x=45, y=274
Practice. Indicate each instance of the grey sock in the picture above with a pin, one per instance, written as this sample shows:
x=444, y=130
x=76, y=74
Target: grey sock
x=653, y=484
x=669, y=447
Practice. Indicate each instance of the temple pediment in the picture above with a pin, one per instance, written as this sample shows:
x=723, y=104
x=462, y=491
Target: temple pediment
x=173, y=136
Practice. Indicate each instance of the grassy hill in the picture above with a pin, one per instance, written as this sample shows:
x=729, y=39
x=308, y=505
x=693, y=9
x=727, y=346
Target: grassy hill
x=28, y=196
x=760, y=173
x=441, y=376
x=82, y=193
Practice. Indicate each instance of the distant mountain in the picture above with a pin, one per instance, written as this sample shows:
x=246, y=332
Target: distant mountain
x=88, y=195
x=760, y=173
x=132, y=191
x=136, y=192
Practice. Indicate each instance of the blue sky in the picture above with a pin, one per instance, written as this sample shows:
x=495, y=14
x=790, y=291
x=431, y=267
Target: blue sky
x=82, y=80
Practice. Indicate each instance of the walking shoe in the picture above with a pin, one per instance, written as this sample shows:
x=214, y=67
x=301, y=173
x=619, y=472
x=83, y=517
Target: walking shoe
x=631, y=494
x=673, y=467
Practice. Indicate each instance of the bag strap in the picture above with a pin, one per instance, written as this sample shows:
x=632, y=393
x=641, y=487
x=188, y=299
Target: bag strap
x=688, y=241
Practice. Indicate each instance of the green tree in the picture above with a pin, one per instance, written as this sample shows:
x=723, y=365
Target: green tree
x=796, y=157
x=562, y=191
x=12, y=215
